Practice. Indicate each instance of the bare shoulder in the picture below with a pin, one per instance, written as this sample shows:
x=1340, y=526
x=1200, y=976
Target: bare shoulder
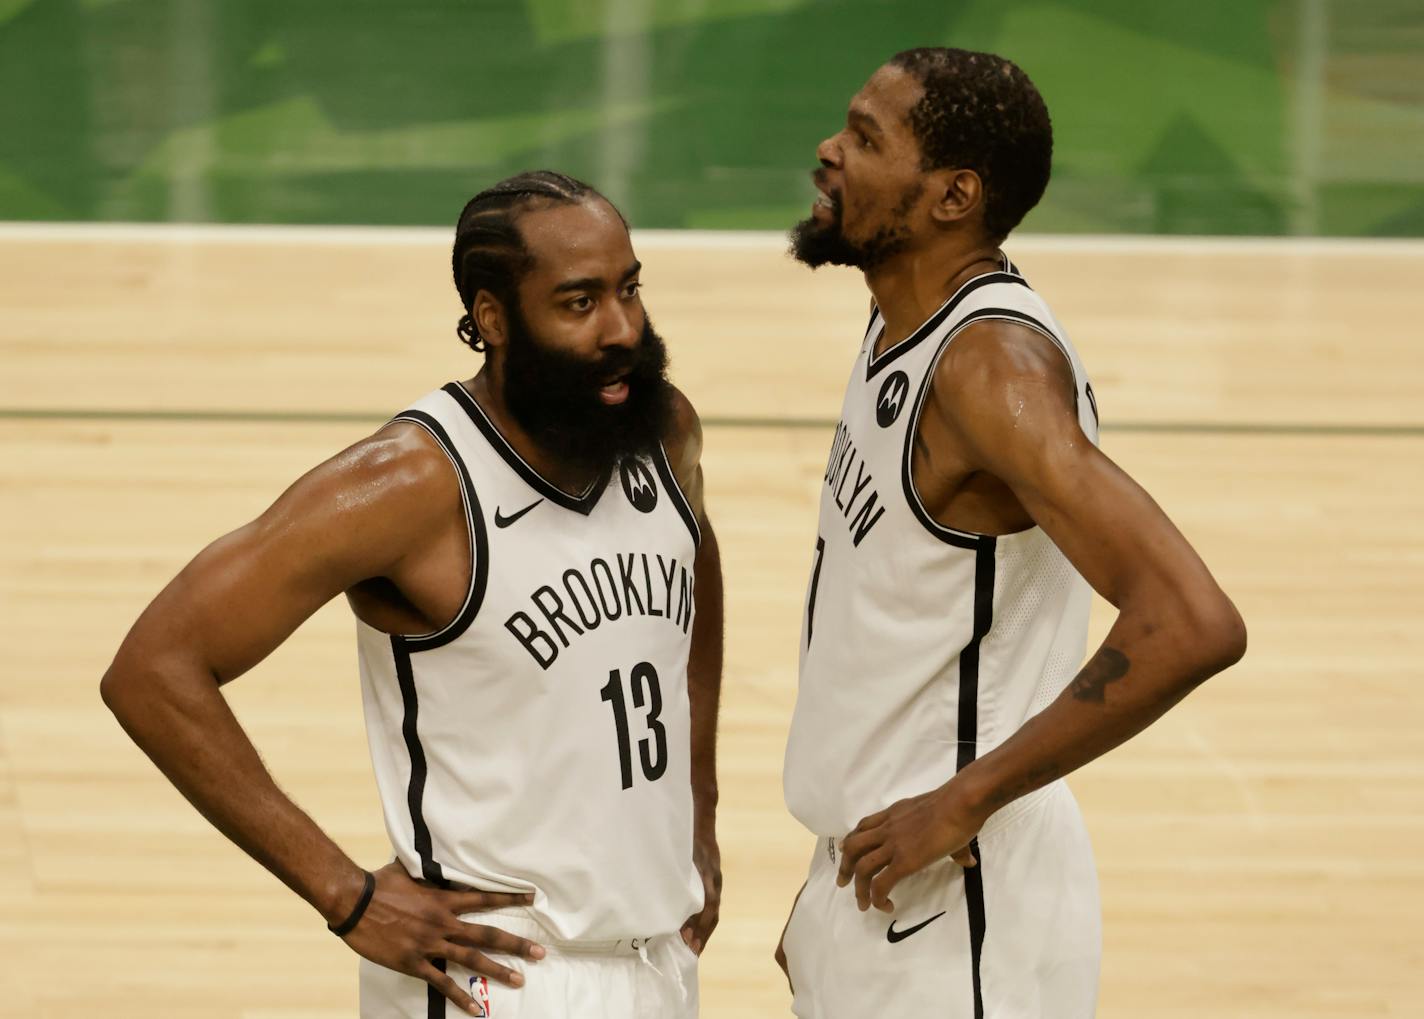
x=403, y=455
x=398, y=477
x=992, y=359
x=683, y=442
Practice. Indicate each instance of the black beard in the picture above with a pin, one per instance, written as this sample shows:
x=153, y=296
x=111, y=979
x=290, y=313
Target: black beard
x=816, y=245
x=554, y=396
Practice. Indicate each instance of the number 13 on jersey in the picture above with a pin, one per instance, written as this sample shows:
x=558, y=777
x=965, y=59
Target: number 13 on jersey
x=652, y=749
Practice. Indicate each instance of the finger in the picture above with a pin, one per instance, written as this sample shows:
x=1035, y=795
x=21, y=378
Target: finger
x=853, y=848
x=703, y=924
x=693, y=931
x=478, y=902
x=875, y=820
x=692, y=935
x=964, y=856
x=478, y=962
x=881, y=886
x=870, y=865
x=475, y=935
x=447, y=986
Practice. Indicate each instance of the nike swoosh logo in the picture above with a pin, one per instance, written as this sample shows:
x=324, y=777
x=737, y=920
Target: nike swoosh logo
x=500, y=520
x=893, y=936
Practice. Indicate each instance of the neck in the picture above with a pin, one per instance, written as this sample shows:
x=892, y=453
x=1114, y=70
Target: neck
x=488, y=390
x=910, y=286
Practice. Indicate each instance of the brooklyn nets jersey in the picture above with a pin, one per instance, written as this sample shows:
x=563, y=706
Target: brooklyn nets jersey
x=541, y=742
x=922, y=646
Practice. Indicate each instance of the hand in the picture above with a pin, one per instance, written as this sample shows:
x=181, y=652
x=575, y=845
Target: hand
x=905, y=838
x=409, y=923
x=708, y=857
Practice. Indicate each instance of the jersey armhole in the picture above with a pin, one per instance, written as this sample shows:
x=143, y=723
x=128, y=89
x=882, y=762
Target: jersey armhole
x=951, y=535
x=674, y=490
x=479, y=541
x=948, y=535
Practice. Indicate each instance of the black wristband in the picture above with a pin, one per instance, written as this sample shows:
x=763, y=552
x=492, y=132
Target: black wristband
x=346, y=926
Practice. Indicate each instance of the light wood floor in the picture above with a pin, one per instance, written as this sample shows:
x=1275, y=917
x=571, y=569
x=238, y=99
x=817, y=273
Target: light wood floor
x=1261, y=850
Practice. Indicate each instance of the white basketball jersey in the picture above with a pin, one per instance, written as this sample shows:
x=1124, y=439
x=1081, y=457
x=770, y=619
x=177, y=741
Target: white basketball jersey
x=541, y=742
x=922, y=646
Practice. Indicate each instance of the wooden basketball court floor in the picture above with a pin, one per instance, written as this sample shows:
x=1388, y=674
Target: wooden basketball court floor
x=1261, y=850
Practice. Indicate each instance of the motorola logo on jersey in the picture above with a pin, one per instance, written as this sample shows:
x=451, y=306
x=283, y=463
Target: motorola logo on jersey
x=638, y=486
x=892, y=398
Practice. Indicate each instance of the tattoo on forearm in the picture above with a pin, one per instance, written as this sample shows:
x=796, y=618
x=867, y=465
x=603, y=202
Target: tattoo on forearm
x=1107, y=666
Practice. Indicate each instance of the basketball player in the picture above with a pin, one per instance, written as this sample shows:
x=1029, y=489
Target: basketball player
x=520, y=551
x=965, y=504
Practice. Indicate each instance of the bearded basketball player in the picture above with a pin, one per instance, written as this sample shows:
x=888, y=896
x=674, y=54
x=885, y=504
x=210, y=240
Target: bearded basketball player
x=965, y=512
x=537, y=594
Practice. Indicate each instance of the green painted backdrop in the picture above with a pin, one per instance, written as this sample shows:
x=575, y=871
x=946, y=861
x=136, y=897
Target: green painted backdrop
x=1210, y=116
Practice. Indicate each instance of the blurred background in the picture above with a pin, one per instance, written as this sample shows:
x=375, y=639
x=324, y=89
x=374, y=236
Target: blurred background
x=1255, y=117
x=224, y=256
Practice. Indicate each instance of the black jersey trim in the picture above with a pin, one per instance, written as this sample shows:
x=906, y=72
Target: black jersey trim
x=479, y=540
x=578, y=503
x=1023, y=319
x=876, y=363
x=415, y=791
x=874, y=313
x=968, y=736
x=974, y=906
x=952, y=535
x=435, y=1001
x=948, y=535
x=675, y=492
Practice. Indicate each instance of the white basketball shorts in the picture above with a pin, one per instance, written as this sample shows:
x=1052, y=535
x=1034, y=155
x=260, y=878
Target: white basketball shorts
x=653, y=978
x=1017, y=937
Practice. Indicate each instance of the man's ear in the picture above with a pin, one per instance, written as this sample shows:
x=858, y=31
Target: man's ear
x=489, y=318
x=959, y=195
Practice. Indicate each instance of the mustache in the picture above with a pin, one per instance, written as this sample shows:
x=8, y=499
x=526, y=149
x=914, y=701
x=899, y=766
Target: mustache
x=611, y=364
x=619, y=361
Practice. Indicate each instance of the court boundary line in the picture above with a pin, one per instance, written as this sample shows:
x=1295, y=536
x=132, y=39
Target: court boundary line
x=763, y=240
x=191, y=416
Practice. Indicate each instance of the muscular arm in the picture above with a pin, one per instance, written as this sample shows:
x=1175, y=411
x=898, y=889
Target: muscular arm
x=1005, y=396
x=704, y=669
x=365, y=513
x=349, y=519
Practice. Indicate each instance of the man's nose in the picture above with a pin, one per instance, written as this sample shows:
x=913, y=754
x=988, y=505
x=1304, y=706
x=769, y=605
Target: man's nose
x=623, y=327
x=829, y=153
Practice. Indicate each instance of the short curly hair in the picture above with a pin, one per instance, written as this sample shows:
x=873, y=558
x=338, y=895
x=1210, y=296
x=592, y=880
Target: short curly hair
x=981, y=112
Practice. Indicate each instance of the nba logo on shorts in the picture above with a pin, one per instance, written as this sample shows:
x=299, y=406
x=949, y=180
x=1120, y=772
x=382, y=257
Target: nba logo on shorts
x=479, y=990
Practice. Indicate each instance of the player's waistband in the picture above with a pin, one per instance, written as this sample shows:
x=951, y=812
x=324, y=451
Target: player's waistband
x=1002, y=818
x=520, y=921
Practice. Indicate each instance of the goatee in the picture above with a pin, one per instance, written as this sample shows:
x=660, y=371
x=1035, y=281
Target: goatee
x=816, y=244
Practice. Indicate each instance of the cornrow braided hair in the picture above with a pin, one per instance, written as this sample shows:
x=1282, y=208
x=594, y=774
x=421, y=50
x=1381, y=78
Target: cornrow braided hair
x=489, y=253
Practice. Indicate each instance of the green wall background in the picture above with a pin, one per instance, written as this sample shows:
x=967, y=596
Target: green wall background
x=1206, y=117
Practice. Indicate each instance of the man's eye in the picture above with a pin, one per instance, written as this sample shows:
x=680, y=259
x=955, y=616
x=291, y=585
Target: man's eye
x=630, y=290
x=581, y=303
